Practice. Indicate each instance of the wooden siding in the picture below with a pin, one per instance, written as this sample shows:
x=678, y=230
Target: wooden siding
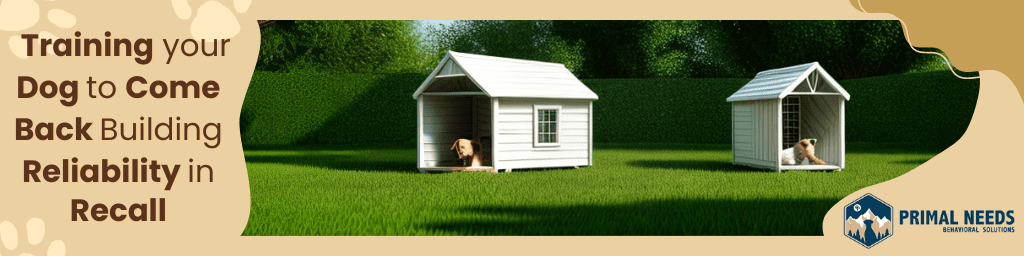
x=821, y=119
x=742, y=130
x=756, y=133
x=515, y=149
x=842, y=134
x=482, y=125
x=419, y=133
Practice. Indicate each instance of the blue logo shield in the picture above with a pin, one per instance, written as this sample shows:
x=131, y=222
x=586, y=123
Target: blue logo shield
x=868, y=220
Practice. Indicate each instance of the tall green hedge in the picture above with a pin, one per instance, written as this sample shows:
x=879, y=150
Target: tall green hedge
x=315, y=108
x=931, y=108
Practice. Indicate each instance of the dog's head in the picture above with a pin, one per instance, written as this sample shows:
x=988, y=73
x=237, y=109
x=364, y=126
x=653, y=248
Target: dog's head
x=464, y=148
x=806, y=147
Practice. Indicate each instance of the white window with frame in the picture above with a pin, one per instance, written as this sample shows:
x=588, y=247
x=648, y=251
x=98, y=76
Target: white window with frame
x=547, y=125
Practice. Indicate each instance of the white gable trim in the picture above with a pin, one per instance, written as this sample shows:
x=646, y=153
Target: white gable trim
x=437, y=70
x=512, y=78
x=835, y=85
x=796, y=82
x=806, y=74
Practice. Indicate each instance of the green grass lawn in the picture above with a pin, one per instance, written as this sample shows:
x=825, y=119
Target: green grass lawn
x=631, y=190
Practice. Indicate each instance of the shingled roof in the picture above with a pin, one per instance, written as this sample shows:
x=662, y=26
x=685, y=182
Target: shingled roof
x=780, y=82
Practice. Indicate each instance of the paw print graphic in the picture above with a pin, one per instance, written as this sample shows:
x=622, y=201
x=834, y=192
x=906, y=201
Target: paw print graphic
x=212, y=20
x=35, y=230
x=18, y=15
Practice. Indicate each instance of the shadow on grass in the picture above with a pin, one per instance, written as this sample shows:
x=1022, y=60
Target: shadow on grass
x=669, y=146
x=693, y=165
x=911, y=161
x=894, y=148
x=763, y=217
x=340, y=158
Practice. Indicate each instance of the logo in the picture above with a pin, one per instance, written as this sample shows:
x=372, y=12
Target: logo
x=868, y=220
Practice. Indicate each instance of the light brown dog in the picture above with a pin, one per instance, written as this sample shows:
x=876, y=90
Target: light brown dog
x=469, y=151
x=801, y=151
x=806, y=148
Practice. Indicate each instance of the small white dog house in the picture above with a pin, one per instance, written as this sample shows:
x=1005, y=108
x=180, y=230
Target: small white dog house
x=526, y=114
x=781, y=106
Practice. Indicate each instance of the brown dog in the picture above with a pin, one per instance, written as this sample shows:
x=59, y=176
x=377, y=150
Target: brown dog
x=806, y=147
x=469, y=151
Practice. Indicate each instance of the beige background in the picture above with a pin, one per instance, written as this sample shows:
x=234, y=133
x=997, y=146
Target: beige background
x=979, y=172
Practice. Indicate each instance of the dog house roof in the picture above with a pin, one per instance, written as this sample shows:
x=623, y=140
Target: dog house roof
x=780, y=82
x=515, y=78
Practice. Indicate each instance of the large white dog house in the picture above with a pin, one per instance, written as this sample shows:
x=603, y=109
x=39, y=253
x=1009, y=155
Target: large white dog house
x=781, y=106
x=526, y=114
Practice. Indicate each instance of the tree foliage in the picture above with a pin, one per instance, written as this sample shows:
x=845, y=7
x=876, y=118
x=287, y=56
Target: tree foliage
x=342, y=46
x=598, y=49
x=847, y=48
x=588, y=48
x=520, y=39
x=679, y=48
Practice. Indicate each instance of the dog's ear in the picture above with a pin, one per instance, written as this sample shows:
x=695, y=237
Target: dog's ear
x=455, y=145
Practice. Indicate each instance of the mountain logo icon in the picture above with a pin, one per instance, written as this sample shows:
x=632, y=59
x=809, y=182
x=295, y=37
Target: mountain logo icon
x=868, y=220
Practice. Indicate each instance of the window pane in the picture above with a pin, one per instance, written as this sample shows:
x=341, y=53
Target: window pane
x=547, y=125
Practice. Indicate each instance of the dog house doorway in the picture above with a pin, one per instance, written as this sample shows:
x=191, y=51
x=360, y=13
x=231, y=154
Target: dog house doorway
x=449, y=116
x=814, y=116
